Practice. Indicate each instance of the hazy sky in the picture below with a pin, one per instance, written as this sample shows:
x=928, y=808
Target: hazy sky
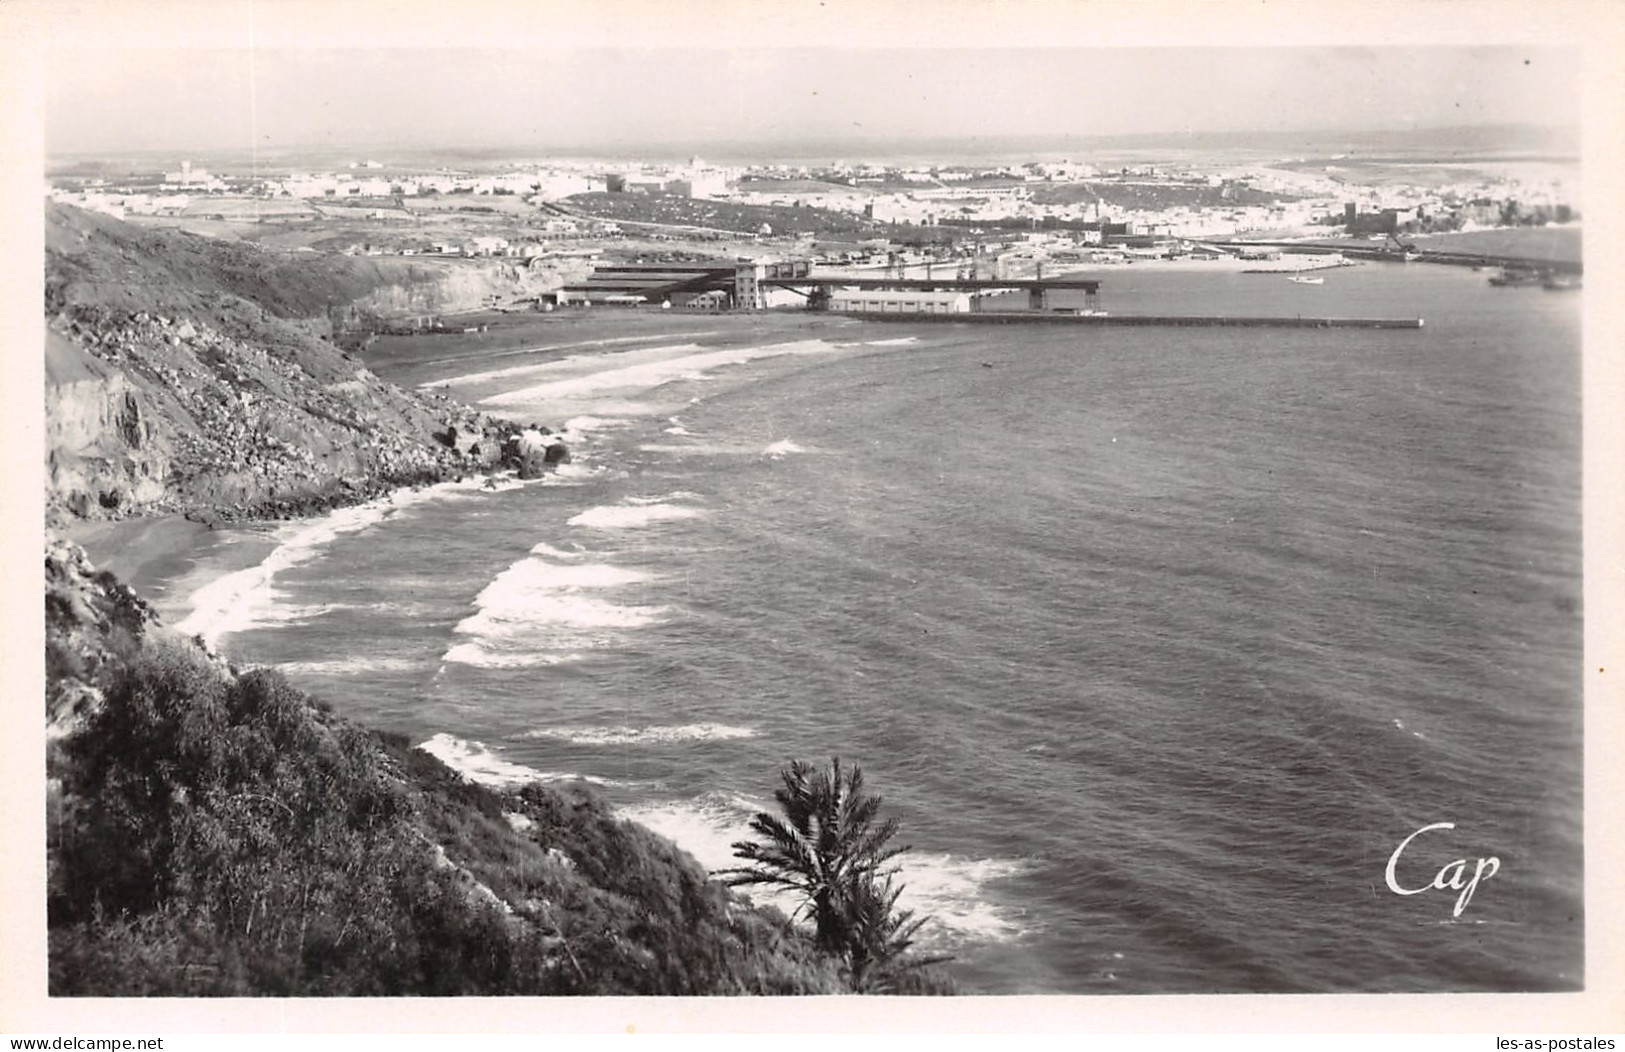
x=126, y=98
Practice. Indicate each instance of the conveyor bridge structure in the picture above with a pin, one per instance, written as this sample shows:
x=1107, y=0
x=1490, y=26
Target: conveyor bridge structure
x=745, y=284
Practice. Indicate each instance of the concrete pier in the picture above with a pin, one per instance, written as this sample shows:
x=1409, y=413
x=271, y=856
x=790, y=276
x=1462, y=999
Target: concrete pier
x=1058, y=318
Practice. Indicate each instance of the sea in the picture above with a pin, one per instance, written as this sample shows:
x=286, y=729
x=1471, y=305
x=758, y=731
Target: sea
x=1190, y=660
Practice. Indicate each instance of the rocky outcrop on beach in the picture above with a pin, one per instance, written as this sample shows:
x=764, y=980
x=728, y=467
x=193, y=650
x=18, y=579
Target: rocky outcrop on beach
x=193, y=376
x=533, y=451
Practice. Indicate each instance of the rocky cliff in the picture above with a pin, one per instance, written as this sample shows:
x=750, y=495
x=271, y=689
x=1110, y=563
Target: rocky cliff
x=186, y=374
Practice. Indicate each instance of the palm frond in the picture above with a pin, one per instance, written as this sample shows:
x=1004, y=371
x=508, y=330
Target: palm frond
x=829, y=845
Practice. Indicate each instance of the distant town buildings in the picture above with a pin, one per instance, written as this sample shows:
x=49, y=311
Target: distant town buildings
x=1066, y=209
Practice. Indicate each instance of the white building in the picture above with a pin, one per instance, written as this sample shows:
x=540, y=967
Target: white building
x=875, y=301
x=486, y=246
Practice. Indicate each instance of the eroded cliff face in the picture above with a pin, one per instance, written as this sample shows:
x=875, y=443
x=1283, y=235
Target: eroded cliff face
x=167, y=391
x=149, y=413
x=102, y=450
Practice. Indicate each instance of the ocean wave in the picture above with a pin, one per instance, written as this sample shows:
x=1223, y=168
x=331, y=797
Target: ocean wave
x=901, y=341
x=479, y=764
x=698, y=449
x=479, y=654
x=534, y=593
x=782, y=448
x=629, y=516
x=551, y=552
x=523, y=615
x=347, y=666
x=575, y=473
x=247, y=598
x=643, y=502
x=948, y=889
x=580, y=425
x=536, y=611
x=642, y=735
x=490, y=484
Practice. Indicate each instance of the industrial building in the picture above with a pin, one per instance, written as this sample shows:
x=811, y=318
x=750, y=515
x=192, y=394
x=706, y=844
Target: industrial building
x=912, y=301
x=740, y=284
x=748, y=285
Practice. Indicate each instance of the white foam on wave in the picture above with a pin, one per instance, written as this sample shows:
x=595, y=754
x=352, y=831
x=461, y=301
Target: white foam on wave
x=580, y=425
x=782, y=448
x=699, y=449
x=643, y=375
x=948, y=889
x=246, y=598
x=901, y=341
x=474, y=490
x=502, y=484
x=548, y=550
x=479, y=654
x=479, y=764
x=631, y=516
x=576, y=473
x=347, y=666
x=643, y=735
x=681, y=494
x=537, y=612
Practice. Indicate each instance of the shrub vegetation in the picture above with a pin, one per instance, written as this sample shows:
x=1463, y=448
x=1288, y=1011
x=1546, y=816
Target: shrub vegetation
x=224, y=834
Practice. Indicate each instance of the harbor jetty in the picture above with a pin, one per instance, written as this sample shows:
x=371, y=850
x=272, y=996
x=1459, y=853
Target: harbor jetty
x=1016, y=317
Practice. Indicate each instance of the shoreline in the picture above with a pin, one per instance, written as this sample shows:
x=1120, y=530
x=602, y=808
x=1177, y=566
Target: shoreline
x=158, y=556
x=142, y=552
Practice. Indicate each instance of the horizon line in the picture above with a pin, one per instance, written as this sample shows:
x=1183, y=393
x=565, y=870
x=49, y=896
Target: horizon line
x=803, y=142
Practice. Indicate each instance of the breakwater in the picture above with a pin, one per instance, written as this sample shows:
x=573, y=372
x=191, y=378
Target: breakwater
x=1176, y=321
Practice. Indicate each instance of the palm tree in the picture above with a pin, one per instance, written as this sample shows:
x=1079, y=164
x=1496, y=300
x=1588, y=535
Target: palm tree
x=828, y=846
x=879, y=935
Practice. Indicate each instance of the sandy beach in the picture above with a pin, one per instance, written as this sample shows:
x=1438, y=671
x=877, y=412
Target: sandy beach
x=151, y=554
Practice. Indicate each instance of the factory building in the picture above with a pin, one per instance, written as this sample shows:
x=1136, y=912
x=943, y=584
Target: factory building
x=740, y=282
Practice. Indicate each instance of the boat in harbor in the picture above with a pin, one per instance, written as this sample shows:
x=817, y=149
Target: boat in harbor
x=1304, y=279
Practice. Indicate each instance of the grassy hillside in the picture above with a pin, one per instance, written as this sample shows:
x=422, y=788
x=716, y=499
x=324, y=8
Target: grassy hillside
x=213, y=831
x=96, y=260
